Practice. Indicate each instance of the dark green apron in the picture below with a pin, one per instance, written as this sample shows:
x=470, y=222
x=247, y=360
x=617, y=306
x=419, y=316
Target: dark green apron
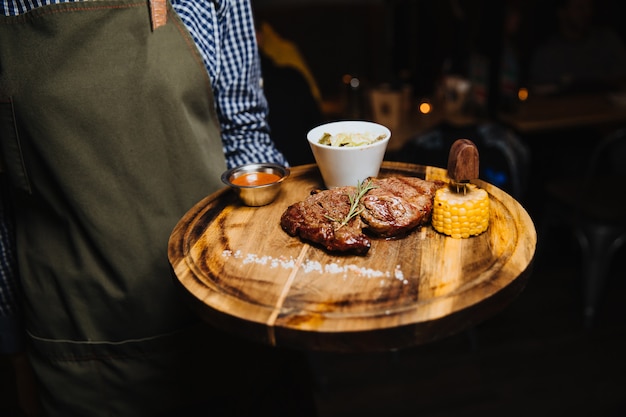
x=108, y=135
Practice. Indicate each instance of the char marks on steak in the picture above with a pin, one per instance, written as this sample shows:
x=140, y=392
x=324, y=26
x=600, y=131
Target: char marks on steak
x=393, y=208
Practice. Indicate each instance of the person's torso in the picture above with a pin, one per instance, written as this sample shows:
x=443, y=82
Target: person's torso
x=109, y=135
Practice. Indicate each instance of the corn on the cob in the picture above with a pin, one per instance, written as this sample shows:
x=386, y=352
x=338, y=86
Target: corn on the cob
x=461, y=214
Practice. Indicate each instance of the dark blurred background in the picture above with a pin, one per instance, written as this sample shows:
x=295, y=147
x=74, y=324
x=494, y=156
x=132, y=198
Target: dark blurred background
x=560, y=348
x=547, y=354
x=386, y=41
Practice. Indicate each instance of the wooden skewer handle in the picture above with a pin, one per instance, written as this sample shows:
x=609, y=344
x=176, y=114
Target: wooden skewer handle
x=463, y=161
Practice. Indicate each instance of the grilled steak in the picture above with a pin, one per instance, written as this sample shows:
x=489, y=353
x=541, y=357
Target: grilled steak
x=398, y=205
x=394, y=207
x=314, y=219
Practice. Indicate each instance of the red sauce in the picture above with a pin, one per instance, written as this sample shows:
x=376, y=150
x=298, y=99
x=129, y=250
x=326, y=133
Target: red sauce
x=255, y=178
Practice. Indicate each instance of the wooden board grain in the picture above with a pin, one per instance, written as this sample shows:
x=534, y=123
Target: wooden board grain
x=243, y=273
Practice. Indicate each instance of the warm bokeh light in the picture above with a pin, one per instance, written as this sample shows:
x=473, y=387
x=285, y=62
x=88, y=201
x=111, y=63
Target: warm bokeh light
x=425, y=107
x=522, y=94
x=351, y=80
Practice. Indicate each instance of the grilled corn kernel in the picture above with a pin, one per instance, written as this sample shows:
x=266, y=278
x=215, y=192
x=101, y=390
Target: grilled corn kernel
x=461, y=214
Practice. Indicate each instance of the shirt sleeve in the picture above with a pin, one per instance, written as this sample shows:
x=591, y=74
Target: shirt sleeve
x=11, y=340
x=225, y=35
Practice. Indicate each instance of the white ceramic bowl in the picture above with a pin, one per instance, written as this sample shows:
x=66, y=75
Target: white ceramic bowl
x=347, y=165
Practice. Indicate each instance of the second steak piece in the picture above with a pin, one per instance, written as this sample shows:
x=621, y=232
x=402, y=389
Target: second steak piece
x=398, y=205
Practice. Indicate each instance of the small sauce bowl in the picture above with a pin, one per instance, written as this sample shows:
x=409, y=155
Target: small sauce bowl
x=256, y=184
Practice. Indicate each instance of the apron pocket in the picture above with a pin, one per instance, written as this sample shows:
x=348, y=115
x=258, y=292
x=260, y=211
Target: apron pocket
x=11, y=160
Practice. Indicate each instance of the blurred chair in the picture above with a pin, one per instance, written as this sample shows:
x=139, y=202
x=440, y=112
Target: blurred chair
x=594, y=208
x=504, y=157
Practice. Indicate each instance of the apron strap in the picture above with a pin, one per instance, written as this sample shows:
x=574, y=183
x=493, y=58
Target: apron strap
x=158, y=13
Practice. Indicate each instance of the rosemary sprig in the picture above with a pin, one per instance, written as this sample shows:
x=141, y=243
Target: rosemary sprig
x=361, y=189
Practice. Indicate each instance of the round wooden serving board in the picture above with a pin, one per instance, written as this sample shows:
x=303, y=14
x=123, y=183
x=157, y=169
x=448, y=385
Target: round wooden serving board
x=244, y=274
